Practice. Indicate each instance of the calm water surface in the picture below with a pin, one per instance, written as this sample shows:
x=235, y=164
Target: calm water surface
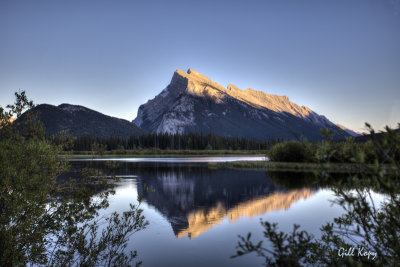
x=196, y=213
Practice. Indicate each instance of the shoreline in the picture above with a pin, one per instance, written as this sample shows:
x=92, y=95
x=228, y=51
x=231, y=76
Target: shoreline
x=162, y=153
x=293, y=166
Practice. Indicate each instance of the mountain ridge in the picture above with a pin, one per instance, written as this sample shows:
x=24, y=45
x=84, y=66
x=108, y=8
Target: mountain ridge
x=192, y=102
x=349, y=131
x=79, y=120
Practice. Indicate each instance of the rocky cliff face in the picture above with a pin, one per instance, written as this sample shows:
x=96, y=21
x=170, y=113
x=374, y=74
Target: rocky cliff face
x=193, y=102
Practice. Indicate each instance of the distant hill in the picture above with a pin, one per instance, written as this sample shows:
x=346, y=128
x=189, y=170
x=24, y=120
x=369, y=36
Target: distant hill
x=349, y=131
x=79, y=121
x=366, y=137
x=193, y=102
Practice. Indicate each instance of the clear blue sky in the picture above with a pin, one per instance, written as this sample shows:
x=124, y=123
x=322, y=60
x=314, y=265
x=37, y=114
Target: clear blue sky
x=340, y=58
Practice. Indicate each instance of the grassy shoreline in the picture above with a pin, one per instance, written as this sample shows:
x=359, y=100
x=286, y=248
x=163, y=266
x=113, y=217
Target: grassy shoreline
x=162, y=153
x=289, y=166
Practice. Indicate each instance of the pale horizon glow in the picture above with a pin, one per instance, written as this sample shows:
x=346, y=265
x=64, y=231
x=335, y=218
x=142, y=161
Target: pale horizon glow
x=339, y=58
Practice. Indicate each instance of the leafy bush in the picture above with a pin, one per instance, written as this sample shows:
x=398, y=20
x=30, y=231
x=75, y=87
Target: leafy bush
x=291, y=151
x=347, y=151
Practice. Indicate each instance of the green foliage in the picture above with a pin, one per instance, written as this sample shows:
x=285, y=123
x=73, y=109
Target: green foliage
x=291, y=151
x=328, y=134
x=208, y=147
x=365, y=224
x=47, y=219
x=98, y=149
x=347, y=151
x=287, y=248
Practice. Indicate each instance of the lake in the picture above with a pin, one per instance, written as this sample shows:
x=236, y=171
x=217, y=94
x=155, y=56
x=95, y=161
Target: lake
x=196, y=213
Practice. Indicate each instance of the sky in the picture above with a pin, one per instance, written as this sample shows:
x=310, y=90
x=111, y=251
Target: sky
x=339, y=58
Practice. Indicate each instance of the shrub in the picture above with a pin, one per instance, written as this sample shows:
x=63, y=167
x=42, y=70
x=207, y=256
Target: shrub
x=291, y=151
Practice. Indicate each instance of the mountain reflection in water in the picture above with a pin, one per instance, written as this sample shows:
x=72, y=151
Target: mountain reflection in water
x=194, y=198
x=202, y=220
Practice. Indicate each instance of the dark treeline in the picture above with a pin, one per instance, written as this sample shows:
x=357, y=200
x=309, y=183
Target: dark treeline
x=173, y=142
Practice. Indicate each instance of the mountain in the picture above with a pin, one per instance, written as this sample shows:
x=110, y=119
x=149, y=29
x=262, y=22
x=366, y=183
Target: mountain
x=349, y=131
x=193, y=102
x=80, y=121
